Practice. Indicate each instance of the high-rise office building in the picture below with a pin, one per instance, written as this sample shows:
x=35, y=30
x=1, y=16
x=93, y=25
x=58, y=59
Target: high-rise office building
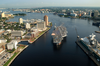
x=46, y=20
x=90, y=13
x=20, y=20
x=41, y=26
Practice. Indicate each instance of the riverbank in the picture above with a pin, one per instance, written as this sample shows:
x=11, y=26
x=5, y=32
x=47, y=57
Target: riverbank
x=14, y=56
x=19, y=14
x=43, y=32
x=89, y=54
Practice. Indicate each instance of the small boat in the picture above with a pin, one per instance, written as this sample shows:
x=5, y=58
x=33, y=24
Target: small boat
x=97, y=31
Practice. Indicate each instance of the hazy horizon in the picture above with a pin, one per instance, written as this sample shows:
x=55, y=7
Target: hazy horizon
x=48, y=3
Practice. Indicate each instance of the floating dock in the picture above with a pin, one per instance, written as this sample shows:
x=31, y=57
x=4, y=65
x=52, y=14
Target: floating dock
x=90, y=55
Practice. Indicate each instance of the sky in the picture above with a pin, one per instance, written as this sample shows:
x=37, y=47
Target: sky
x=48, y=3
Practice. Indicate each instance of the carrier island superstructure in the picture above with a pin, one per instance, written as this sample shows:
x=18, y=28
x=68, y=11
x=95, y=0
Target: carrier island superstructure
x=92, y=46
x=58, y=34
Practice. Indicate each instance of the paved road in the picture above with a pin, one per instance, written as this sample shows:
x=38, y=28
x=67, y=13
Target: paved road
x=4, y=57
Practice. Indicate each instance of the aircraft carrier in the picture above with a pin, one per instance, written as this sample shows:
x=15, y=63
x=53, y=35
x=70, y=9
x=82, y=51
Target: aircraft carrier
x=91, y=47
x=58, y=34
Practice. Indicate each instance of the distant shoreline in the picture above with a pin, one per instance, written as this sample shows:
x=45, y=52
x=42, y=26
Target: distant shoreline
x=19, y=14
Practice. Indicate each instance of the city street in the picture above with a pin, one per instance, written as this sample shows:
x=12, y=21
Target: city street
x=4, y=57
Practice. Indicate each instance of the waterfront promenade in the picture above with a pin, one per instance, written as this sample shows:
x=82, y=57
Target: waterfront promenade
x=32, y=40
x=14, y=57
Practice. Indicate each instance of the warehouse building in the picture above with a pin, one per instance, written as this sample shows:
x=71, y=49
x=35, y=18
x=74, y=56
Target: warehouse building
x=16, y=33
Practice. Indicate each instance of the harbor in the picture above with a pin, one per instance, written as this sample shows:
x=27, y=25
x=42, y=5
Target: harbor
x=88, y=53
x=42, y=51
x=50, y=33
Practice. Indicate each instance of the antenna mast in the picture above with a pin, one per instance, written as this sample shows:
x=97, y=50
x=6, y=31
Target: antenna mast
x=76, y=32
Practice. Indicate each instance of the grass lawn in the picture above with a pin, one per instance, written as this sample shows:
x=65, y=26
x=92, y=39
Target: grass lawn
x=10, y=59
x=22, y=47
x=11, y=51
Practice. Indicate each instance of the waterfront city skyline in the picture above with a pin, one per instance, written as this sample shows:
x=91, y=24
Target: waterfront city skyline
x=48, y=3
x=50, y=33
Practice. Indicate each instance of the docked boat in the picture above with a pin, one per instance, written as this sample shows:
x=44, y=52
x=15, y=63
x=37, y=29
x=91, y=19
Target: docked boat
x=97, y=31
x=96, y=23
x=58, y=34
x=92, y=45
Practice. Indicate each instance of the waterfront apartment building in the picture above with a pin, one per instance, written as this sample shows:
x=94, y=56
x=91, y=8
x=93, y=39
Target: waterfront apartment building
x=16, y=33
x=46, y=20
x=34, y=32
x=2, y=14
x=12, y=45
x=27, y=26
x=20, y=20
x=41, y=26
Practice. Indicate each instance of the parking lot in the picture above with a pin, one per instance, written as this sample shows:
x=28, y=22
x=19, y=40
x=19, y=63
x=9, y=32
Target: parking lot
x=4, y=57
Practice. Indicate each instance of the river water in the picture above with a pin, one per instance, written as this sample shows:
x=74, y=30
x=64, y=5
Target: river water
x=43, y=53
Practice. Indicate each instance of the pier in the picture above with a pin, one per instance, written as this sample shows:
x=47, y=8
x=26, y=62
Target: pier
x=90, y=55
